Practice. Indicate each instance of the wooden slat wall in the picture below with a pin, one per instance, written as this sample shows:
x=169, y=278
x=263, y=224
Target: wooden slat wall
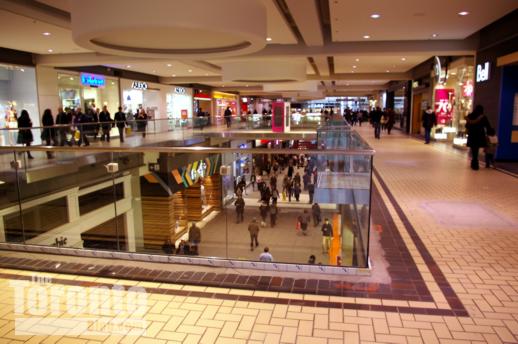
x=157, y=220
x=213, y=191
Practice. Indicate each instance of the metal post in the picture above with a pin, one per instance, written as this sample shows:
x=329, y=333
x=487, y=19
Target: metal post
x=15, y=161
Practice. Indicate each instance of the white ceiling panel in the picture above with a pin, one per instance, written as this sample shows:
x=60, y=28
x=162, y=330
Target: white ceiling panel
x=377, y=64
x=413, y=19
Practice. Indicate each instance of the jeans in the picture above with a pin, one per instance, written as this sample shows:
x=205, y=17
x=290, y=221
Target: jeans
x=121, y=133
x=427, y=132
x=326, y=243
x=253, y=237
x=377, y=130
x=240, y=216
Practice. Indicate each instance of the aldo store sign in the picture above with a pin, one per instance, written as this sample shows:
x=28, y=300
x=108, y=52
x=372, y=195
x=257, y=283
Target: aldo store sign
x=139, y=85
x=483, y=71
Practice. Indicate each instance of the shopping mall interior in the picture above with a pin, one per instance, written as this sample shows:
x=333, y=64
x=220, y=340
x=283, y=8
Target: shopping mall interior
x=259, y=171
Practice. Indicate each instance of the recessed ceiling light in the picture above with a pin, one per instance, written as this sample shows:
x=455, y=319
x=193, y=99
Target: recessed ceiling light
x=128, y=66
x=71, y=78
x=174, y=75
x=46, y=33
x=375, y=16
x=190, y=70
x=354, y=66
x=387, y=71
x=113, y=83
x=268, y=39
x=435, y=35
x=463, y=13
x=403, y=59
x=366, y=36
x=357, y=60
x=22, y=70
x=169, y=65
x=50, y=50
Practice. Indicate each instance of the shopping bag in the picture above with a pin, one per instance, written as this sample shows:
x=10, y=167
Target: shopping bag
x=128, y=130
x=283, y=196
x=77, y=135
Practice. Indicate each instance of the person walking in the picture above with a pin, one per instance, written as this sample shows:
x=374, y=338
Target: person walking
x=304, y=221
x=327, y=236
x=311, y=192
x=391, y=120
x=317, y=214
x=253, y=179
x=376, y=115
x=490, y=150
x=253, y=229
x=120, y=122
x=24, y=131
x=266, y=256
x=477, y=126
x=142, y=119
x=106, y=124
x=87, y=126
x=194, y=238
x=240, y=209
x=228, y=117
x=263, y=211
x=62, y=119
x=296, y=191
x=275, y=195
x=48, y=133
x=273, y=214
x=289, y=189
x=429, y=121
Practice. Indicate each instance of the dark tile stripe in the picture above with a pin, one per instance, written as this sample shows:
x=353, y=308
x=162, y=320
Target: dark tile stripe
x=452, y=298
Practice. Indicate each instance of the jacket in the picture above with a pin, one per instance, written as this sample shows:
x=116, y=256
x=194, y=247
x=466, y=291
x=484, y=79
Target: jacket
x=104, y=116
x=194, y=234
x=240, y=204
x=120, y=119
x=253, y=228
x=429, y=119
x=476, y=127
x=327, y=229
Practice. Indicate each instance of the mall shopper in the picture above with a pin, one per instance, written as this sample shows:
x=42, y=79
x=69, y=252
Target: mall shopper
x=304, y=221
x=63, y=119
x=375, y=116
x=312, y=259
x=296, y=191
x=194, y=238
x=228, y=117
x=24, y=132
x=289, y=189
x=273, y=214
x=490, y=150
x=273, y=182
x=253, y=229
x=477, y=126
x=391, y=120
x=297, y=178
x=253, y=179
x=120, y=122
x=48, y=133
x=142, y=119
x=106, y=124
x=275, y=195
x=240, y=209
x=327, y=236
x=429, y=121
x=168, y=247
x=263, y=211
x=311, y=192
x=317, y=214
x=266, y=256
x=242, y=185
x=86, y=126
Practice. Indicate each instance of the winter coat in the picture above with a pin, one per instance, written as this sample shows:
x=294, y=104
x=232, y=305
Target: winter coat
x=24, y=135
x=429, y=119
x=476, y=127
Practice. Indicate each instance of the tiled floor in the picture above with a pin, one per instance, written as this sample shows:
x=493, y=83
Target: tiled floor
x=460, y=264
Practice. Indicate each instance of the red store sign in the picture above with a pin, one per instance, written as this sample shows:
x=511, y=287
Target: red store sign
x=444, y=98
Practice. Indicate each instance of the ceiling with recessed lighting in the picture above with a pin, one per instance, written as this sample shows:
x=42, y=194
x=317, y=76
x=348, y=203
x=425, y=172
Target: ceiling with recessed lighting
x=348, y=46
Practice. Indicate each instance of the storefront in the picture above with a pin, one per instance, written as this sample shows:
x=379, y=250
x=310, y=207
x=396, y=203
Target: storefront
x=398, y=99
x=86, y=90
x=170, y=106
x=202, y=101
x=452, y=98
x=221, y=101
x=496, y=83
x=17, y=93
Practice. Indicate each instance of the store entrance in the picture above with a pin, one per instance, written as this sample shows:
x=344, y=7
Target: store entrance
x=416, y=113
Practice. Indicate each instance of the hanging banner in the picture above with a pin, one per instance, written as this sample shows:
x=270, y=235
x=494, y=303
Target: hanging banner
x=444, y=99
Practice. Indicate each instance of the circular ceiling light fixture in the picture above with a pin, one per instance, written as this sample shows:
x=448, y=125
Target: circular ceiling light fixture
x=375, y=16
x=366, y=36
x=46, y=33
x=463, y=13
x=435, y=35
x=172, y=33
x=403, y=59
x=169, y=65
x=50, y=50
x=190, y=70
x=357, y=60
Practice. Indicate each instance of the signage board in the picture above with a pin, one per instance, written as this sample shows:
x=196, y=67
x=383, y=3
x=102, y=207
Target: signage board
x=483, y=71
x=139, y=85
x=444, y=98
x=180, y=90
x=93, y=80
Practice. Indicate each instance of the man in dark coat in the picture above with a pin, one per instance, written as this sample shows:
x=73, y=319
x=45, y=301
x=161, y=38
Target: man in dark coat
x=376, y=115
x=106, y=124
x=477, y=125
x=62, y=118
x=240, y=209
x=429, y=121
x=120, y=122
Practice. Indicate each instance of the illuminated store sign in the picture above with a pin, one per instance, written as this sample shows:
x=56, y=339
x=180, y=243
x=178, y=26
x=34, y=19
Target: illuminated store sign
x=444, y=98
x=139, y=85
x=180, y=90
x=92, y=80
x=199, y=169
x=467, y=89
x=483, y=72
